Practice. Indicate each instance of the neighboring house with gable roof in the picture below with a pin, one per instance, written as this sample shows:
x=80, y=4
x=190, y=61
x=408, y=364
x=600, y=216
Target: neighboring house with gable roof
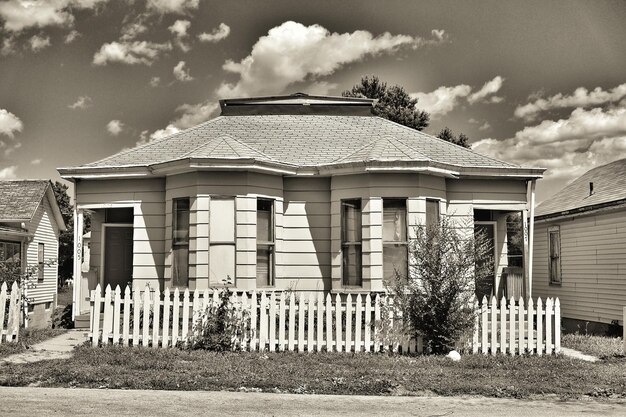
x=30, y=224
x=580, y=249
x=298, y=192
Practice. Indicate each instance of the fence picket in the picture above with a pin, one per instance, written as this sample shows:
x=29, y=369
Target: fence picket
x=195, y=310
x=483, y=326
x=136, y=315
x=557, y=326
x=377, y=342
x=531, y=328
x=338, y=324
x=156, y=319
x=263, y=322
x=254, y=334
x=512, y=327
x=244, y=317
x=165, y=336
x=301, y=306
x=108, y=316
x=539, y=327
x=185, y=327
x=116, y=315
x=548, y=322
x=292, y=322
x=349, y=323
x=145, y=325
x=272, y=322
x=175, y=317
x=329, y=324
x=13, y=322
x=126, y=317
x=311, y=323
x=320, y=322
x=493, y=315
x=3, y=303
x=281, y=323
x=368, y=322
x=358, y=323
x=476, y=328
x=503, y=325
x=520, y=327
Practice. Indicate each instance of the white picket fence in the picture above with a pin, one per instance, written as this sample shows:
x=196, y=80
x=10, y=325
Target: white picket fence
x=514, y=328
x=9, y=313
x=278, y=321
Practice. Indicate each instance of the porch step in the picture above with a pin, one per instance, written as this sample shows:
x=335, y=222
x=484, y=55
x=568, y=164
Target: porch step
x=81, y=321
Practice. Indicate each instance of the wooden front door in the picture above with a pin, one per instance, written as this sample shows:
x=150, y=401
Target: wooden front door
x=485, y=285
x=118, y=257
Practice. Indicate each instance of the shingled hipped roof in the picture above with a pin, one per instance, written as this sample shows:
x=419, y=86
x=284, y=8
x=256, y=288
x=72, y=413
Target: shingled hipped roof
x=300, y=132
x=609, y=186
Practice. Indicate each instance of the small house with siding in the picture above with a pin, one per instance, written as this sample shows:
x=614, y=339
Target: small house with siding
x=580, y=249
x=299, y=192
x=30, y=224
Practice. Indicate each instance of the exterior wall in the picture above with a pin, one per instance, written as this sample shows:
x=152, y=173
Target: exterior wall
x=146, y=197
x=593, y=266
x=46, y=231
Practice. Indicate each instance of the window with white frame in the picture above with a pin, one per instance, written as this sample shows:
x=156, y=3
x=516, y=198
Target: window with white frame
x=351, y=243
x=395, y=248
x=180, y=242
x=222, y=240
x=40, y=261
x=432, y=212
x=10, y=254
x=264, y=242
x=554, y=250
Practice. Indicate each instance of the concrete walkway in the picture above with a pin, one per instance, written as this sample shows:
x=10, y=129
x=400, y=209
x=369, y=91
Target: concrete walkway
x=27, y=401
x=59, y=347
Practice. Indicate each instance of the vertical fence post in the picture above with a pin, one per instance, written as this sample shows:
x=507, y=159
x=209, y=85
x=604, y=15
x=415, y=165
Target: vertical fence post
x=253, y=321
x=493, y=315
x=108, y=316
x=165, y=341
x=136, y=315
x=185, y=315
x=292, y=321
x=520, y=330
x=531, y=327
x=557, y=326
x=377, y=342
x=483, y=326
x=329, y=323
x=358, y=323
x=349, y=323
x=368, y=322
x=156, y=319
x=338, y=323
x=512, y=309
x=320, y=322
x=311, y=323
x=476, y=328
x=263, y=322
x=301, y=307
x=145, y=325
x=3, y=303
x=503, y=325
x=539, y=327
x=272, y=322
x=126, y=317
x=281, y=322
x=116, y=315
x=548, y=322
x=175, y=317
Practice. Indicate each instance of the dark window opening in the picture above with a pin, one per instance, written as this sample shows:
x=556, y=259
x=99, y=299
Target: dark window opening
x=119, y=215
x=40, y=261
x=351, y=243
x=265, y=243
x=180, y=242
x=395, y=245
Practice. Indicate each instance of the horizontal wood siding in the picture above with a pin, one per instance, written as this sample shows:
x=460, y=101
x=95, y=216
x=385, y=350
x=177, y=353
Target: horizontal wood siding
x=47, y=232
x=593, y=266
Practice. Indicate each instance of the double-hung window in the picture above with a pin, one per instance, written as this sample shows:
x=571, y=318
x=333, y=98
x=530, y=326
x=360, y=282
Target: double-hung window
x=351, y=242
x=432, y=213
x=395, y=255
x=264, y=243
x=180, y=242
x=40, y=261
x=554, y=248
x=222, y=240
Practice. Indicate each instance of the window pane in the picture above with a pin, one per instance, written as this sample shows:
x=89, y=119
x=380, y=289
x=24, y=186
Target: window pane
x=432, y=212
x=351, y=230
x=264, y=221
x=264, y=265
x=181, y=220
x=222, y=220
x=40, y=253
x=352, y=265
x=222, y=260
x=180, y=265
x=394, y=261
x=394, y=220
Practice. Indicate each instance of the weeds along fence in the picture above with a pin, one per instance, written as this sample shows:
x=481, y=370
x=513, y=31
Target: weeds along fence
x=288, y=321
x=9, y=313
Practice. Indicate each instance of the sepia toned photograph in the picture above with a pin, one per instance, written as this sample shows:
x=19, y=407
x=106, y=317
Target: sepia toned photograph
x=313, y=208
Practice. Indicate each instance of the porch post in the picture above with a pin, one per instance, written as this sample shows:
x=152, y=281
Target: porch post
x=78, y=258
x=531, y=237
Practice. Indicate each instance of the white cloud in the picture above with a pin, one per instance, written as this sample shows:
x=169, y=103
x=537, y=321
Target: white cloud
x=36, y=161
x=487, y=91
x=131, y=53
x=161, y=133
x=8, y=172
x=581, y=97
x=81, y=103
x=172, y=6
x=485, y=126
x=9, y=123
x=8, y=45
x=194, y=114
x=181, y=73
x=155, y=81
x=442, y=100
x=132, y=30
x=179, y=29
x=37, y=43
x=72, y=36
x=115, y=127
x=293, y=52
x=219, y=33
x=19, y=15
x=439, y=34
x=567, y=147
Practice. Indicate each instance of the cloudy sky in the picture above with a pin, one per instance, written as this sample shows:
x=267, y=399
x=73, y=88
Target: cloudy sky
x=535, y=83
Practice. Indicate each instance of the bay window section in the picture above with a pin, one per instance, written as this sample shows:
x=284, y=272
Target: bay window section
x=222, y=241
x=180, y=243
x=395, y=245
x=351, y=243
x=432, y=213
x=265, y=243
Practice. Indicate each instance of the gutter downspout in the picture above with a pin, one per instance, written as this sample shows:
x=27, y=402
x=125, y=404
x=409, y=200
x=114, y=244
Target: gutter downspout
x=76, y=276
x=531, y=236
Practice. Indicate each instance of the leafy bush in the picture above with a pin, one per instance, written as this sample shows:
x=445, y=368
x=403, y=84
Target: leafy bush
x=436, y=300
x=220, y=326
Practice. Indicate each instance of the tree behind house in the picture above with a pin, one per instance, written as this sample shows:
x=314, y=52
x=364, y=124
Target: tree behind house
x=447, y=135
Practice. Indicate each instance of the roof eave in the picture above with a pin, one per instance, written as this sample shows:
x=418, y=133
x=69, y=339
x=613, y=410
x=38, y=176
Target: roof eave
x=579, y=211
x=104, y=172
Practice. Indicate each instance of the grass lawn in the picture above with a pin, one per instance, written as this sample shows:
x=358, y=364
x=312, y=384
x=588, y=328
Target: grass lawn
x=27, y=338
x=324, y=373
x=602, y=347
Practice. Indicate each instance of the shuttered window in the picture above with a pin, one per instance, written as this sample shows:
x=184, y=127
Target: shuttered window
x=264, y=243
x=394, y=238
x=554, y=248
x=180, y=242
x=351, y=243
x=222, y=240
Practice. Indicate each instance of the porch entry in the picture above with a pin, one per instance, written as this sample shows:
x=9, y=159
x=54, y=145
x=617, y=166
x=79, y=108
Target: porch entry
x=486, y=284
x=118, y=255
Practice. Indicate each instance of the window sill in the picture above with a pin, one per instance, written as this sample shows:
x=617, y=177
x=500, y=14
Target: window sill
x=556, y=284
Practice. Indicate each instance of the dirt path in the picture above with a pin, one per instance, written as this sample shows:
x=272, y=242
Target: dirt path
x=59, y=347
x=78, y=402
